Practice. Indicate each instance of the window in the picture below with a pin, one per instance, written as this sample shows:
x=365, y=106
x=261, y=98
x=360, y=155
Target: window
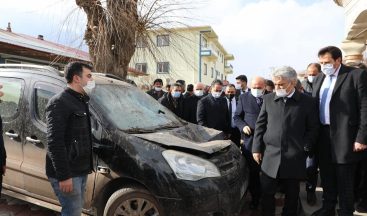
x=163, y=67
x=9, y=61
x=140, y=42
x=221, y=77
x=212, y=76
x=216, y=74
x=141, y=67
x=42, y=94
x=205, y=69
x=162, y=40
x=13, y=91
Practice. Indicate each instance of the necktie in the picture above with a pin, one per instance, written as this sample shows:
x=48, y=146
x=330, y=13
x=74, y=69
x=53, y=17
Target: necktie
x=323, y=107
x=259, y=101
x=230, y=112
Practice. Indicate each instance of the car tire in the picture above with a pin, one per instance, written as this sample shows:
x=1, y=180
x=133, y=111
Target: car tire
x=132, y=201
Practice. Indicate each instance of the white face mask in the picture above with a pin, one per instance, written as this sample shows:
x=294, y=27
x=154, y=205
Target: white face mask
x=310, y=78
x=176, y=94
x=216, y=94
x=238, y=86
x=199, y=93
x=257, y=92
x=157, y=89
x=328, y=69
x=89, y=87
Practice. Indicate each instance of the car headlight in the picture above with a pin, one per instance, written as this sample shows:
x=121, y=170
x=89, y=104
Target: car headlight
x=189, y=167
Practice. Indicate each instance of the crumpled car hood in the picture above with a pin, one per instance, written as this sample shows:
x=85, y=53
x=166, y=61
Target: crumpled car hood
x=191, y=136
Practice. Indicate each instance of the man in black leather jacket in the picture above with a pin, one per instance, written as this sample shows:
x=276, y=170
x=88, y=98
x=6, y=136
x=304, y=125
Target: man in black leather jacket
x=69, y=150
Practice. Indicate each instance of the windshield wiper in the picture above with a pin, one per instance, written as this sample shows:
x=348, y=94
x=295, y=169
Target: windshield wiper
x=161, y=112
x=139, y=131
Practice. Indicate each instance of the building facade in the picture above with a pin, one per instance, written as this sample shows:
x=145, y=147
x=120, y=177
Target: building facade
x=193, y=54
x=354, y=44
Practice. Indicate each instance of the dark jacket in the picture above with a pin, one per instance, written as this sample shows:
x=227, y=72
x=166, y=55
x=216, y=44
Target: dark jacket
x=283, y=131
x=246, y=114
x=69, y=150
x=213, y=113
x=238, y=93
x=190, y=108
x=155, y=94
x=175, y=105
x=2, y=149
x=348, y=114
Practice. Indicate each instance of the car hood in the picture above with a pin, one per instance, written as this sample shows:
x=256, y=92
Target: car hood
x=192, y=137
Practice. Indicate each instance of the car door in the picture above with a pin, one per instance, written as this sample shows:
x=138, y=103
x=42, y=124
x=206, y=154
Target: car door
x=35, y=145
x=12, y=112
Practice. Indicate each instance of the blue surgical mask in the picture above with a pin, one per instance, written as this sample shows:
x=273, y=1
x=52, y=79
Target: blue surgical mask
x=328, y=69
x=176, y=94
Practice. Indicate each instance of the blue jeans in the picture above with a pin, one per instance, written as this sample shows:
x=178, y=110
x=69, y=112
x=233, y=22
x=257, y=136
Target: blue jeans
x=71, y=203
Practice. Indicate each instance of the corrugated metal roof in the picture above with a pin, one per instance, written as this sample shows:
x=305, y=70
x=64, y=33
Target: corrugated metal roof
x=42, y=45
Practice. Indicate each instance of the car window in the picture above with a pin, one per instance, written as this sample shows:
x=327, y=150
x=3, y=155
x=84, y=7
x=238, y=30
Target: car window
x=13, y=91
x=129, y=108
x=42, y=94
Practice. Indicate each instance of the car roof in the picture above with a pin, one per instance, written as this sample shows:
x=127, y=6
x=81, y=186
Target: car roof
x=100, y=78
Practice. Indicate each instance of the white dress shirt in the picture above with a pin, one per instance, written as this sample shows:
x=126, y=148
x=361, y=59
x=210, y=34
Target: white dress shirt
x=330, y=93
x=243, y=92
x=234, y=104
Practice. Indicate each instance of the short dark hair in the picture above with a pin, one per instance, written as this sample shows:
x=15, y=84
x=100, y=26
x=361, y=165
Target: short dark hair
x=176, y=85
x=158, y=81
x=317, y=65
x=243, y=78
x=334, y=51
x=215, y=82
x=190, y=87
x=182, y=82
x=75, y=68
x=231, y=85
x=269, y=83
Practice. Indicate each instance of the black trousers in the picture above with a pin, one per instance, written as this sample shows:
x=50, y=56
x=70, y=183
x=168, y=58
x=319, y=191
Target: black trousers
x=312, y=166
x=235, y=136
x=269, y=188
x=360, y=187
x=337, y=180
x=254, y=186
x=1, y=183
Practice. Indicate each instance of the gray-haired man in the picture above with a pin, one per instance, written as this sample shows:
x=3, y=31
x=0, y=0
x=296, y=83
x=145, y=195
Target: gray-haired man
x=285, y=130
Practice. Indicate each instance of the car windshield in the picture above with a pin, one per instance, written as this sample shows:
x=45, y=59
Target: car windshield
x=131, y=109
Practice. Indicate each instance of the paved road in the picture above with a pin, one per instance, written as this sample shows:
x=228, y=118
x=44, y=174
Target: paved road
x=13, y=207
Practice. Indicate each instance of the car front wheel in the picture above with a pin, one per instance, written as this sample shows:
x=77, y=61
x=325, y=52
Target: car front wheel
x=132, y=201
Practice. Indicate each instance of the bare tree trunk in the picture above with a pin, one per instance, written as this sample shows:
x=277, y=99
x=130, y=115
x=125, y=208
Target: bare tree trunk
x=111, y=34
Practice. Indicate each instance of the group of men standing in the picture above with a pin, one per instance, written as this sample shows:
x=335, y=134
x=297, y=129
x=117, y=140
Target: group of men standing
x=321, y=125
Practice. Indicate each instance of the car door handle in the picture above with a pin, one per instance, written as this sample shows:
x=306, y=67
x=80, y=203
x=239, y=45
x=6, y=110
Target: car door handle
x=33, y=140
x=12, y=135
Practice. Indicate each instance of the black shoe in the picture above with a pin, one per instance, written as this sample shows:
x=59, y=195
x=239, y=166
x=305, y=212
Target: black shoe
x=324, y=212
x=361, y=208
x=311, y=198
x=254, y=205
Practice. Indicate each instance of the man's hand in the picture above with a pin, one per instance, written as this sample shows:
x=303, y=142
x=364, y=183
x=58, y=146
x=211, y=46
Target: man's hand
x=4, y=169
x=359, y=147
x=257, y=157
x=247, y=130
x=66, y=186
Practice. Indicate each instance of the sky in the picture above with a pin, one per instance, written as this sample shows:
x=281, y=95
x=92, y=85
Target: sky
x=261, y=34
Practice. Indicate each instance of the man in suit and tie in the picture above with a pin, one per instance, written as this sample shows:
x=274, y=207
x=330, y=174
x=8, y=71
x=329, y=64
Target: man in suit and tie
x=213, y=110
x=248, y=109
x=342, y=95
x=285, y=130
x=230, y=92
x=241, y=85
x=2, y=150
